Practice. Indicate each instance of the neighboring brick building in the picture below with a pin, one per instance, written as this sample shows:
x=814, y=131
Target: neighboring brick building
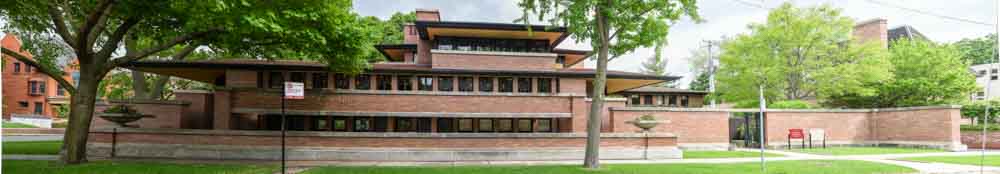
x=27, y=91
x=445, y=77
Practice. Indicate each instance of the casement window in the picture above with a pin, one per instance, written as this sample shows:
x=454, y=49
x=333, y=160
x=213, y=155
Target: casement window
x=672, y=100
x=446, y=125
x=423, y=124
x=276, y=80
x=524, y=125
x=298, y=77
x=38, y=108
x=60, y=91
x=466, y=84
x=363, y=82
x=41, y=87
x=684, y=101
x=425, y=83
x=485, y=125
x=647, y=99
x=524, y=85
x=505, y=125
x=320, y=80
x=506, y=84
x=543, y=125
x=33, y=88
x=544, y=85
x=320, y=123
x=405, y=125
x=17, y=67
x=486, y=84
x=23, y=104
x=446, y=83
x=483, y=44
x=339, y=124
x=341, y=81
x=404, y=83
x=362, y=124
x=633, y=99
x=381, y=124
x=465, y=125
x=260, y=79
x=384, y=82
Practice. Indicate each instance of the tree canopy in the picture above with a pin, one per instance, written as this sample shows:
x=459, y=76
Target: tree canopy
x=979, y=50
x=657, y=65
x=796, y=54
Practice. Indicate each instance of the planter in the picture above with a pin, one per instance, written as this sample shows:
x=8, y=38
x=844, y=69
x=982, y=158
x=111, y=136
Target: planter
x=646, y=122
x=122, y=119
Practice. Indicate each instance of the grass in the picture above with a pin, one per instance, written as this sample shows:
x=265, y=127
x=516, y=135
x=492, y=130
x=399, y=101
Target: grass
x=109, y=167
x=17, y=125
x=991, y=160
x=778, y=167
x=32, y=147
x=836, y=151
x=725, y=154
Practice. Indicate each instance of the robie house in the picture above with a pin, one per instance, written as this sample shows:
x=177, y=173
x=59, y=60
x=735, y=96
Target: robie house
x=453, y=91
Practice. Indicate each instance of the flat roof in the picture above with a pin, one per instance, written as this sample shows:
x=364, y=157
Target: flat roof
x=427, y=30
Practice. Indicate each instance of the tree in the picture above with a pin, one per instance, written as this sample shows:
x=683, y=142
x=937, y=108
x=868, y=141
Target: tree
x=94, y=31
x=980, y=50
x=700, y=82
x=798, y=53
x=925, y=73
x=976, y=110
x=613, y=28
x=656, y=65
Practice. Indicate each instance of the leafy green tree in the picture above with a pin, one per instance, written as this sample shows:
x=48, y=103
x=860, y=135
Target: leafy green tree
x=798, y=53
x=93, y=32
x=657, y=65
x=925, y=73
x=980, y=50
x=392, y=29
x=700, y=82
x=976, y=110
x=613, y=28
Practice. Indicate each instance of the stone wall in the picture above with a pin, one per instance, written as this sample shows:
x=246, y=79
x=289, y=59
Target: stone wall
x=973, y=139
x=357, y=146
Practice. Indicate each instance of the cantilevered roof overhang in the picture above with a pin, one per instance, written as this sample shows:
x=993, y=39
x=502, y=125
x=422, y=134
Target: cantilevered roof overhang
x=395, y=51
x=209, y=71
x=428, y=30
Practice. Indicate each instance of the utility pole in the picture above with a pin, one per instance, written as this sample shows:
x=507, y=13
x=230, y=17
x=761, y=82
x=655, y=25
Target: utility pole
x=711, y=67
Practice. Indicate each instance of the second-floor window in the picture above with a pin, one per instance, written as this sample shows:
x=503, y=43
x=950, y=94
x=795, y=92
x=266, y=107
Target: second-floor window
x=445, y=83
x=341, y=81
x=486, y=84
x=363, y=82
x=524, y=85
x=33, y=87
x=277, y=80
x=425, y=83
x=319, y=80
x=506, y=84
x=60, y=91
x=544, y=85
x=486, y=44
x=466, y=84
x=384, y=82
x=17, y=67
x=404, y=83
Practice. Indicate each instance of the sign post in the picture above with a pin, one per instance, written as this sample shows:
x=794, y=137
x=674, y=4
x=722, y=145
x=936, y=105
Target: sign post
x=294, y=91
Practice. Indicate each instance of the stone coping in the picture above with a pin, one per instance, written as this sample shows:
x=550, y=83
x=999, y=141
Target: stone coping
x=141, y=101
x=194, y=91
x=374, y=134
x=276, y=92
x=405, y=114
x=496, y=53
x=653, y=108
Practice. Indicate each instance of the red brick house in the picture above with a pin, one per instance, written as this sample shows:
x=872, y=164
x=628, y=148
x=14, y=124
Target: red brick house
x=27, y=91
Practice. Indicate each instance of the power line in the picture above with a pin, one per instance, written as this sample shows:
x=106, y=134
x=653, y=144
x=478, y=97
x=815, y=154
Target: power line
x=750, y=4
x=930, y=13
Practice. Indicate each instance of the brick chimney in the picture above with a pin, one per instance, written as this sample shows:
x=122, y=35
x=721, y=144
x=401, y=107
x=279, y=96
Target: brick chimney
x=428, y=15
x=873, y=30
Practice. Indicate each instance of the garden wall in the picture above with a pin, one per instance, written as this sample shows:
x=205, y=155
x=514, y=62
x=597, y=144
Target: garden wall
x=361, y=146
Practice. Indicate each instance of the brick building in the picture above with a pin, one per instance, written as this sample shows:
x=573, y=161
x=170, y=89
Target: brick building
x=27, y=91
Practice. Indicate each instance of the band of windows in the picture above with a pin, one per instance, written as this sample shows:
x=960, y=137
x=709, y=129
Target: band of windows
x=403, y=82
x=411, y=124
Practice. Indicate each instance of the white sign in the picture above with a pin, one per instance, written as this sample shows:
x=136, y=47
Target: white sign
x=294, y=90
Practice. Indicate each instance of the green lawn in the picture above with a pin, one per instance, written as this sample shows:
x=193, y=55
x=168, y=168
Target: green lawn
x=108, y=167
x=836, y=151
x=779, y=167
x=991, y=160
x=725, y=154
x=17, y=125
x=32, y=147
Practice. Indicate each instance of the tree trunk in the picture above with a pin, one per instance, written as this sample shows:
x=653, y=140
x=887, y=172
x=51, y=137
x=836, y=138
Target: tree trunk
x=592, y=156
x=81, y=112
x=139, y=86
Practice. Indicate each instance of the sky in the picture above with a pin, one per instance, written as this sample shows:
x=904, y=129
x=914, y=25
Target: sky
x=728, y=18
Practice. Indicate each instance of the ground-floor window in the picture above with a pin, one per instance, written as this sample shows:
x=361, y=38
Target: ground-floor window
x=406, y=124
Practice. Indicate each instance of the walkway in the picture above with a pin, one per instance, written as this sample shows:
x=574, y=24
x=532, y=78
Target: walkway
x=37, y=137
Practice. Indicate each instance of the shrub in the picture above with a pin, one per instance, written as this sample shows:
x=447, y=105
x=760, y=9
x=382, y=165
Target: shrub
x=975, y=110
x=791, y=104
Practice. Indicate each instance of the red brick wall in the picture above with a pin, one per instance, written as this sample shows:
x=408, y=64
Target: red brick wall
x=242, y=78
x=481, y=61
x=839, y=126
x=690, y=127
x=972, y=139
x=375, y=142
x=581, y=109
x=874, y=30
x=198, y=115
x=15, y=85
x=919, y=125
x=405, y=103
